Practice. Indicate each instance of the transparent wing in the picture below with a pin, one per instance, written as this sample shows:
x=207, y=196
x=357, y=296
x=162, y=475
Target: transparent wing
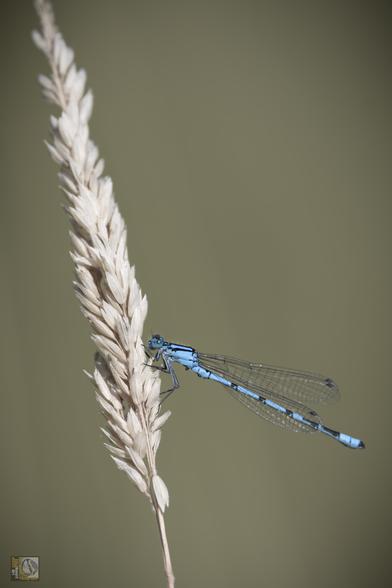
x=279, y=383
x=248, y=375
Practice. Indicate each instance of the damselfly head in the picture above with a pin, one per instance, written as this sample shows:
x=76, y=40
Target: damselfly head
x=156, y=342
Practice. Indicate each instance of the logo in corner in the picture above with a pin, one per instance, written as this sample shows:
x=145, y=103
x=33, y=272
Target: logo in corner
x=24, y=567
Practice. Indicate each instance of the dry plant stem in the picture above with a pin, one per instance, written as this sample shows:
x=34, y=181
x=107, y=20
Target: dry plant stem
x=165, y=548
x=127, y=389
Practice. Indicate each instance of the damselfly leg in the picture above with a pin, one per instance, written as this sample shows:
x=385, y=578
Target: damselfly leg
x=167, y=368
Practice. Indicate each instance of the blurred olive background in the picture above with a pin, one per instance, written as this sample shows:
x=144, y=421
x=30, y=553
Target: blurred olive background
x=249, y=143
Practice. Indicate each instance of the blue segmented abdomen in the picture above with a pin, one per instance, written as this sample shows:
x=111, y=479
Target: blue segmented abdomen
x=343, y=438
x=294, y=416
